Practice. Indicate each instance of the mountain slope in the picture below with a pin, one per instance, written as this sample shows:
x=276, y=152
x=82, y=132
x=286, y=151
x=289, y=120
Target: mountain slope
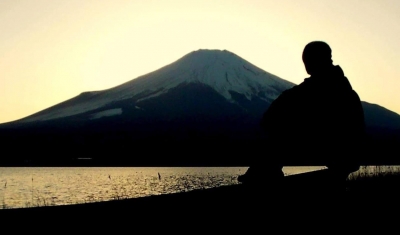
x=226, y=73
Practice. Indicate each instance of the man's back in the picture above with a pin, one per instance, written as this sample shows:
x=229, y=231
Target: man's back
x=321, y=119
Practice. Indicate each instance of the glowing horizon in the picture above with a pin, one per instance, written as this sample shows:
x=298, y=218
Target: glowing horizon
x=54, y=50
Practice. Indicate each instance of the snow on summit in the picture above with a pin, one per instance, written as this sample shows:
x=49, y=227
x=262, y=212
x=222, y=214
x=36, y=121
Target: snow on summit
x=222, y=70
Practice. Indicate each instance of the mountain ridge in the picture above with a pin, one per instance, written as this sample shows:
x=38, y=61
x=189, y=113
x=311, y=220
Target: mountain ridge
x=224, y=71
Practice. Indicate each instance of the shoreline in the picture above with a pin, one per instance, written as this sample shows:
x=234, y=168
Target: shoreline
x=301, y=198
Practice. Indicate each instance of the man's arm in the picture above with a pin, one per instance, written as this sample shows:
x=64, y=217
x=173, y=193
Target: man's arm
x=357, y=115
x=274, y=114
x=355, y=134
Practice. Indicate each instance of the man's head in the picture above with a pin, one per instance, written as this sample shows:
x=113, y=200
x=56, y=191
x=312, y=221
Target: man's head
x=317, y=57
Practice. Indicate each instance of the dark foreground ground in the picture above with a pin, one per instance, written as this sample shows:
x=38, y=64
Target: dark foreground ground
x=305, y=200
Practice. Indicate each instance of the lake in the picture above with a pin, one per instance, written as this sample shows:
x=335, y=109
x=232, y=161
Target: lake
x=48, y=186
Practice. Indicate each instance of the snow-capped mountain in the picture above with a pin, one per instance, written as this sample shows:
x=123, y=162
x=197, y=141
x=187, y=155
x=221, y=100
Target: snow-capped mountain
x=222, y=71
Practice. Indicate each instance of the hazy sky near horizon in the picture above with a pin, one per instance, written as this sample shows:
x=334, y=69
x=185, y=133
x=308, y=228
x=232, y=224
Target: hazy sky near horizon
x=53, y=50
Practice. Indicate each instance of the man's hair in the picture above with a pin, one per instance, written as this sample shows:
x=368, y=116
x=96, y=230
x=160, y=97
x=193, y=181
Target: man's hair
x=316, y=54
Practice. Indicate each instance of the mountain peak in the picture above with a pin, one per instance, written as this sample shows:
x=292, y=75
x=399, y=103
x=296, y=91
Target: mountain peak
x=207, y=57
x=211, y=52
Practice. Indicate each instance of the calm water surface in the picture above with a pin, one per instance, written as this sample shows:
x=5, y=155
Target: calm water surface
x=41, y=186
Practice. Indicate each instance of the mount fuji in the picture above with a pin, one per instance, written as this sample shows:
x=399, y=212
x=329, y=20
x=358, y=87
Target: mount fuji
x=219, y=73
x=202, y=109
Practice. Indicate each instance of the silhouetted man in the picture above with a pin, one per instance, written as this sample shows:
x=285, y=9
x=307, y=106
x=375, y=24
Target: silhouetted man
x=320, y=121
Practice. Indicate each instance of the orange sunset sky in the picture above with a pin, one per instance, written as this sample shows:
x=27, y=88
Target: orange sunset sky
x=53, y=50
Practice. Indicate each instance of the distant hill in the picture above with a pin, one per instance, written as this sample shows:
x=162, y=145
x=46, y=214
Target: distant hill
x=380, y=117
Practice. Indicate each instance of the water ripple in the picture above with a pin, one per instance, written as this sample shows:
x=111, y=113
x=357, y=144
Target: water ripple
x=47, y=186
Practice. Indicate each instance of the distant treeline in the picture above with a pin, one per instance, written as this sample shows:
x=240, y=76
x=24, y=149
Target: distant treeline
x=71, y=147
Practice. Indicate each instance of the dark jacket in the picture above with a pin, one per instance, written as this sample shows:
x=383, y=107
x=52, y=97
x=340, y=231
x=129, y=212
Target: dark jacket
x=320, y=120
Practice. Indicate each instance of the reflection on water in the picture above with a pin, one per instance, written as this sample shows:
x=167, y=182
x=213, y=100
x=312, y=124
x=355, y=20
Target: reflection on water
x=41, y=186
